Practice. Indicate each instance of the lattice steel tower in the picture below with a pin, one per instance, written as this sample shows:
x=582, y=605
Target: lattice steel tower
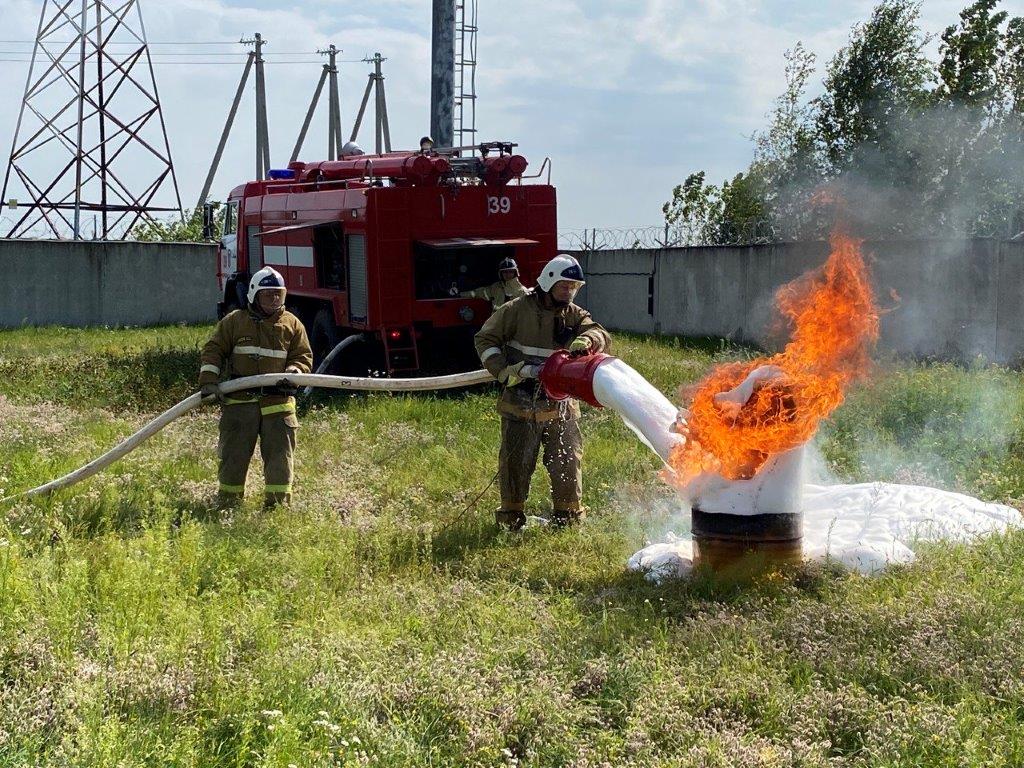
x=90, y=137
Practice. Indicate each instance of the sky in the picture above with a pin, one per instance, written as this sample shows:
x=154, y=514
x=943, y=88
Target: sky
x=626, y=97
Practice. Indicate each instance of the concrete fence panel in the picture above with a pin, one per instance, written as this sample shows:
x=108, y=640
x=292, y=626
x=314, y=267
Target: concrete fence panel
x=87, y=283
x=947, y=299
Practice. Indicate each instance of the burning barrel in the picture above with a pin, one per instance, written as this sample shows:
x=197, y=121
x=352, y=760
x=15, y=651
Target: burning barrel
x=744, y=543
x=743, y=524
x=752, y=522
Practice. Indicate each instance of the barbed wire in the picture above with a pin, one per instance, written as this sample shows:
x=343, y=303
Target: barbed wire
x=668, y=236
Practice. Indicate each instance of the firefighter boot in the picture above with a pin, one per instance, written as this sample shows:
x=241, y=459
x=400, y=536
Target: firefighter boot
x=510, y=519
x=564, y=518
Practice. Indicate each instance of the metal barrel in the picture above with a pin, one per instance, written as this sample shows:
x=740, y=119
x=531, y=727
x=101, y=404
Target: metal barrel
x=746, y=544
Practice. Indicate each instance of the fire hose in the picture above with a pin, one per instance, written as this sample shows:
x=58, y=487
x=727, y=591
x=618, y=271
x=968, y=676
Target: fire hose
x=426, y=384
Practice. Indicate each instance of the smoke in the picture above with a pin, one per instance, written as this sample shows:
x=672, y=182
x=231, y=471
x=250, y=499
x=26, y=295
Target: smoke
x=655, y=509
x=940, y=169
x=931, y=424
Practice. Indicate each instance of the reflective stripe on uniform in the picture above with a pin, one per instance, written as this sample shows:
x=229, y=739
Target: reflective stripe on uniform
x=535, y=351
x=281, y=408
x=232, y=488
x=489, y=352
x=209, y=369
x=259, y=351
x=238, y=401
x=278, y=489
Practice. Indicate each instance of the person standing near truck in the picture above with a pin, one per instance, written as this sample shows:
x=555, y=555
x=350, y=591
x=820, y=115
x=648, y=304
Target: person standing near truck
x=512, y=344
x=507, y=288
x=263, y=338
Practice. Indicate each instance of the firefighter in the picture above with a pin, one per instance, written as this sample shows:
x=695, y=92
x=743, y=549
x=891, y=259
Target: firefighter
x=264, y=338
x=507, y=288
x=513, y=344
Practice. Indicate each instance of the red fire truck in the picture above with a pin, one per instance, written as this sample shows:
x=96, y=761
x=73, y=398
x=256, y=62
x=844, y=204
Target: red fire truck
x=381, y=245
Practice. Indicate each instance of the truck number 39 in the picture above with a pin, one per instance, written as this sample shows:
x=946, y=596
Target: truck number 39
x=498, y=204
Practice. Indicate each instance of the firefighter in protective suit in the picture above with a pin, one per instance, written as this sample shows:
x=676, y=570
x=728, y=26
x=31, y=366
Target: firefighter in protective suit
x=264, y=338
x=507, y=288
x=513, y=344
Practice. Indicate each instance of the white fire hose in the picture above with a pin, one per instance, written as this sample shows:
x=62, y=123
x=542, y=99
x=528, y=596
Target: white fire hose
x=426, y=384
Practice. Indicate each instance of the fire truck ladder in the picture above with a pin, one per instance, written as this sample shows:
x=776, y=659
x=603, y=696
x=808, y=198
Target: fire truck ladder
x=464, y=114
x=399, y=358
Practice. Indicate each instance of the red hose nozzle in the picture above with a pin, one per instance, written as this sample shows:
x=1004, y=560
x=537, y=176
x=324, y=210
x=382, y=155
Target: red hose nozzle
x=563, y=376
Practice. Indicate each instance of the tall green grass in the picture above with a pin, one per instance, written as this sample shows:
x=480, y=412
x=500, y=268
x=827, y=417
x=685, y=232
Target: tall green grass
x=380, y=622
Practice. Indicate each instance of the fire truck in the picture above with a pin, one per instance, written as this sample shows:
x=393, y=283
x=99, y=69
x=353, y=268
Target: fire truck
x=382, y=245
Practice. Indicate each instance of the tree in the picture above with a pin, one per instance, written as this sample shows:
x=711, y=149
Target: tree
x=697, y=208
x=872, y=84
x=787, y=161
x=969, y=67
x=175, y=230
x=744, y=216
x=1011, y=70
x=915, y=148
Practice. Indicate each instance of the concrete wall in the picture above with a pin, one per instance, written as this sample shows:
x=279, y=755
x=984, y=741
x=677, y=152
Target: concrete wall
x=957, y=299
x=106, y=283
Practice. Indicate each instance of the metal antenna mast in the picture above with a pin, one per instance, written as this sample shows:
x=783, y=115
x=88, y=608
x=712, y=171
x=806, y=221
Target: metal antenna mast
x=90, y=135
x=464, y=96
x=376, y=85
x=262, y=133
x=330, y=76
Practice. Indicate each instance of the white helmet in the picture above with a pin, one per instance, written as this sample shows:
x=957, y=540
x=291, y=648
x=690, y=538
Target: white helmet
x=268, y=277
x=562, y=267
x=350, y=149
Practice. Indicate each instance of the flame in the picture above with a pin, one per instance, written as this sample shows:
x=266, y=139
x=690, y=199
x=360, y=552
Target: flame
x=835, y=325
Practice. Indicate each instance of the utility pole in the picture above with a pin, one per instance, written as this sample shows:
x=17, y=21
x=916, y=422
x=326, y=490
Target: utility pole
x=262, y=135
x=328, y=75
x=442, y=73
x=75, y=145
x=375, y=84
x=334, y=142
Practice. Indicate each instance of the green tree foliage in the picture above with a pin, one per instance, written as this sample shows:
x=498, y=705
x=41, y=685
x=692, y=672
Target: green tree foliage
x=188, y=229
x=695, y=207
x=872, y=84
x=969, y=68
x=920, y=147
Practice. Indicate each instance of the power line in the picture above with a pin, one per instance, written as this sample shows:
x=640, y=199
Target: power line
x=203, y=53
x=165, y=42
x=188, y=63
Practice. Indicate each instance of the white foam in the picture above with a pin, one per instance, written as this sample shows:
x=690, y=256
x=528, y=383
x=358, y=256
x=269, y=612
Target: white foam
x=642, y=407
x=865, y=526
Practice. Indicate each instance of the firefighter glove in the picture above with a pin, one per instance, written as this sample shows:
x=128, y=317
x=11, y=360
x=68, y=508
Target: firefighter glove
x=286, y=388
x=580, y=346
x=517, y=373
x=211, y=394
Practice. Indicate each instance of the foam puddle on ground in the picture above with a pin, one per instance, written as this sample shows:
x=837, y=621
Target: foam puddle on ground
x=865, y=526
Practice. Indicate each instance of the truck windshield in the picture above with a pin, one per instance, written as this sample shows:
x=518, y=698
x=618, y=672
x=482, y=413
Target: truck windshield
x=442, y=273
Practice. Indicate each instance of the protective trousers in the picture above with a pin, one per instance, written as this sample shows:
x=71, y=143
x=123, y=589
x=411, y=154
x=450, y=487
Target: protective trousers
x=521, y=441
x=240, y=425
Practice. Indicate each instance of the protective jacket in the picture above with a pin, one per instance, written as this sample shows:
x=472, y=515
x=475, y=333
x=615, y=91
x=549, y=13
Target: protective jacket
x=247, y=343
x=501, y=292
x=529, y=329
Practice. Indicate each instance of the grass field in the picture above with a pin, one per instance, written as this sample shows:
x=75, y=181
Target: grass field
x=376, y=623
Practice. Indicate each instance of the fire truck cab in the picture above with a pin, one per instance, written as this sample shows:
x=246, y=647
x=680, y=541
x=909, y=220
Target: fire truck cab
x=382, y=245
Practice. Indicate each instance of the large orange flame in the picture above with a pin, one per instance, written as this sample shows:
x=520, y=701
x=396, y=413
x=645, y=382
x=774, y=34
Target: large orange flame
x=835, y=325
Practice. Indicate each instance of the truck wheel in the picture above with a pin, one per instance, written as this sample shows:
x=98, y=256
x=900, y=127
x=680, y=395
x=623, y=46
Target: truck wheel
x=324, y=337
